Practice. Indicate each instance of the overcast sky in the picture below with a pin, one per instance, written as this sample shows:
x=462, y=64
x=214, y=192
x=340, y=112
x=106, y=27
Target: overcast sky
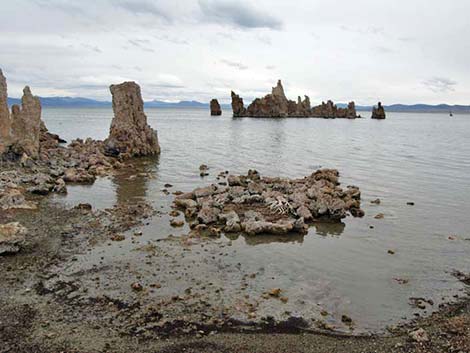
x=398, y=51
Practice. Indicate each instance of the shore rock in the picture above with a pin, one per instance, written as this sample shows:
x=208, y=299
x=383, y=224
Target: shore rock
x=12, y=236
x=276, y=105
x=26, y=123
x=215, y=108
x=130, y=135
x=5, y=123
x=378, y=112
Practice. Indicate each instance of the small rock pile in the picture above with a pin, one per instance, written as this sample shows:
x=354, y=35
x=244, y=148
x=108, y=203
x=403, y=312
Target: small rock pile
x=263, y=205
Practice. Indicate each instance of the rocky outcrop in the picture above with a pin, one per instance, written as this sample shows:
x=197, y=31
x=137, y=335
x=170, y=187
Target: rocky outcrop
x=378, y=112
x=22, y=132
x=276, y=105
x=238, y=107
x=26, y=124
x=215, y=108
x=130, y=135
x=256, y=205
x=5, y=123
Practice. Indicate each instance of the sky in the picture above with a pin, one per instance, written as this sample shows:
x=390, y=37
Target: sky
x=400, y=51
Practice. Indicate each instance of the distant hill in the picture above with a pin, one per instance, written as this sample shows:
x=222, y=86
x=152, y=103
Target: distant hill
x=65, y=102
x=77, y=102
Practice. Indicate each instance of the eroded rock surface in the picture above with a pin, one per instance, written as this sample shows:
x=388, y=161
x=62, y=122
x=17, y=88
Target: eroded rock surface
x=264, y=205
x=378, y=112
x=130, y=135
x=215, y=108
x=238, y=107
x=5, y=124
x=12, y=236
x=26, y=124
x=276, y=105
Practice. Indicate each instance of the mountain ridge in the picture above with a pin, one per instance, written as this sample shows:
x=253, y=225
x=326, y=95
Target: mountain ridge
x=79, y=102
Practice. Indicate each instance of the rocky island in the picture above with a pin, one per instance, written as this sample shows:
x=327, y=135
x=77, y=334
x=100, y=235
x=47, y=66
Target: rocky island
x=378, y=112
x=215, y=108
x=276, y=105
x=252, y=204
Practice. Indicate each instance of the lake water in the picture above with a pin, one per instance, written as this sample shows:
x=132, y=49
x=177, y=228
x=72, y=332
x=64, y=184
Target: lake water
x=345, y=268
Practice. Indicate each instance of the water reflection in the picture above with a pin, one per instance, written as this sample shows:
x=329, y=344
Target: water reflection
x=325, y=228
x=261, y=239
x=133, y=180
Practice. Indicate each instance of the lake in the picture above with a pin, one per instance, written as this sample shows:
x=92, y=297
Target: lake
x=342, y=268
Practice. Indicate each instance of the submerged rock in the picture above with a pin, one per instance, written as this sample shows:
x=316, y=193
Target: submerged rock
x=276, y=105
x=378, y=112
x=12, y=236
x=215, y=108
x=130, y=135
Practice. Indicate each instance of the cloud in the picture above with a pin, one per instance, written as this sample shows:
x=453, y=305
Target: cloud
x=143, y=7
x=383, y=50
x=65, y=6
x=174, y=40
x=94, y=48
x=238, y=14
x=143, y=44
x=440, y=84
x=234, y=64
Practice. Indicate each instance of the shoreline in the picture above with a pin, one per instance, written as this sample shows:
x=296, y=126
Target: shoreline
x=53, y=308
x=35, y=283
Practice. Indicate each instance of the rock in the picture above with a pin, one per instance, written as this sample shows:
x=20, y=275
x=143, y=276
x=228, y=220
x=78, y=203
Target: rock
x=253, y=227
x=208, y=214
x=13, y=198
x=186, y=203
x=375, y=202
x=238, y=107
x=137, y=287
x=25, y=124
x=203, y=170
x=130, y=135
x=12, y=237
x=215, y=108
x=346, y=319
x=304, y=212
x=379, y=216
x=257, y=205
x=5, y=121
x=378, y=112
x=276, y=105
x=73, y=175
x=118, y=237
x=419, y=336
x=177, y=223
x=275, y=292
x=232, y=222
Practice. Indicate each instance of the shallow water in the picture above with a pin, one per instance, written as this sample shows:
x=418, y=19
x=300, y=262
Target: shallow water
x=345, y=268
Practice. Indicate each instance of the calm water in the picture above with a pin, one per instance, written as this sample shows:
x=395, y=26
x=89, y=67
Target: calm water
x=423, y=158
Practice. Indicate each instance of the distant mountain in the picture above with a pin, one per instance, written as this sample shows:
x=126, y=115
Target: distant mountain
x=65, y=102
x=77, y=102
x=416, y=108
x=182, y=104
